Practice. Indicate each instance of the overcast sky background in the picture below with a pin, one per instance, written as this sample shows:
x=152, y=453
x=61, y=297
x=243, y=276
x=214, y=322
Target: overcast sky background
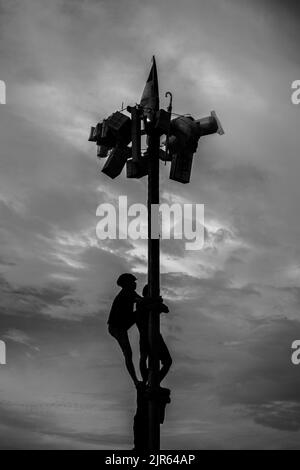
x=234, y=305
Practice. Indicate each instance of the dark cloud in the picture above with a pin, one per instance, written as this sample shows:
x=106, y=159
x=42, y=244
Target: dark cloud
x=284, y=416
x=41, y=432
x=30, y=301
x=268, y=385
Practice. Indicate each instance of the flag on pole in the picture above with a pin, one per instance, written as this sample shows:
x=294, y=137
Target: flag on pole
x=150, y=96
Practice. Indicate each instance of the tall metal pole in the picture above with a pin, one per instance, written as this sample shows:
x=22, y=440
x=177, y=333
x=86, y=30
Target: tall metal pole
x=153, y=282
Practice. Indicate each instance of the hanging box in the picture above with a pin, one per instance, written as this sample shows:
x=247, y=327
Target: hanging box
x=137, y=169
x=208, y=125
x=93, y=137
x=181, y=167
x=102, y=151
x=116, y=161
x=162, y=123
x=120, y=126
x=98, y=133
x=104, y=135
x=185, y=128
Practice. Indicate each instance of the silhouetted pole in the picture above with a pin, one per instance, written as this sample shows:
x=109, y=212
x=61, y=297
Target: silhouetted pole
x=185, y=132
x=153, y=281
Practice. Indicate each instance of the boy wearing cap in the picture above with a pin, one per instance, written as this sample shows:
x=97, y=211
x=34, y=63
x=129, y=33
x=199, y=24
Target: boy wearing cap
x=121, y=318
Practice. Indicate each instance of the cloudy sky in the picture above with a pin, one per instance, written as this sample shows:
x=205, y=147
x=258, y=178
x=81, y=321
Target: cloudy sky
x=234, y=305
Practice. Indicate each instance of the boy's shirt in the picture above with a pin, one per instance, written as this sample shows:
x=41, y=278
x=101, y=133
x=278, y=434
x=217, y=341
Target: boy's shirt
x=121, y=312
x=142, y=314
